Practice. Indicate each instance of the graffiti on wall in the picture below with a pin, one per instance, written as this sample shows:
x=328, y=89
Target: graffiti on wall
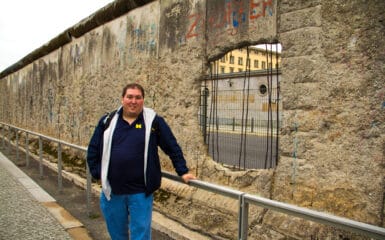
x=142, y=37
x=174, y=21
x=234, y=15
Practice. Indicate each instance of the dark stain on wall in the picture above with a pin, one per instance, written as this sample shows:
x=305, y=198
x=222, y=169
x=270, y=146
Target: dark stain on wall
x=60, y=64
x=173, y=24
x=107, y=41
x=92, y=42
x=43, y=73
x=52, y=71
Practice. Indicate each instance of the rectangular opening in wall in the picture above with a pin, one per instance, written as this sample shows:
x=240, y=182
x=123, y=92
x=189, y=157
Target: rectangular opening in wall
x=240, y=110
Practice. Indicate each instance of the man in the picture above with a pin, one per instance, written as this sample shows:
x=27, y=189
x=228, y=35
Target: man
x=125, y=157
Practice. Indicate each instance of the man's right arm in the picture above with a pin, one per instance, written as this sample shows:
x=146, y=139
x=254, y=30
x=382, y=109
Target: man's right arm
x=94, y=150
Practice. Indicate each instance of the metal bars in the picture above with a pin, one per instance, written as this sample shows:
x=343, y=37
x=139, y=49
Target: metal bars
x=239, y=118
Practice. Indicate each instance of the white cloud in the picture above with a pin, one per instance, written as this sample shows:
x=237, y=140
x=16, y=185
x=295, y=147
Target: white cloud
x=26, y=25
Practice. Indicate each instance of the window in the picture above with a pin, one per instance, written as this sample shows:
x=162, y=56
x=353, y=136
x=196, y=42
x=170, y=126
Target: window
x=248, y=63
x=231, y=59
x=231, y=70
x=262, y=89
x=222, y=69
x=240, y=60
x=223, y=59
x=269, y=65
x=240, y=70
x=263, y=65
x=256, y=64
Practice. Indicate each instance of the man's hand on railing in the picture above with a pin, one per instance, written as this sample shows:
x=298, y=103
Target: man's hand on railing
x=187, y=177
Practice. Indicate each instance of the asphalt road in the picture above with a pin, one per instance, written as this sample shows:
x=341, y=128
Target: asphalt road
x=249, y=151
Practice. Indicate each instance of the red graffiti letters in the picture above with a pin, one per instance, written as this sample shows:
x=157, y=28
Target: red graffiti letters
x=192, y=30
x=233, y=16
x=255, y=7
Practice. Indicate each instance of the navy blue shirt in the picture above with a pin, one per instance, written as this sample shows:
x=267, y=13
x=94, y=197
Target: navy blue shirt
x=126, y=169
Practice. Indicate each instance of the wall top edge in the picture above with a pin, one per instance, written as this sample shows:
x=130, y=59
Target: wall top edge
x=110, y=12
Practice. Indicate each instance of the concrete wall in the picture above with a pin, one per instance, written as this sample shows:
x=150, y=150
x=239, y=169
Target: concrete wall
x=332, y=140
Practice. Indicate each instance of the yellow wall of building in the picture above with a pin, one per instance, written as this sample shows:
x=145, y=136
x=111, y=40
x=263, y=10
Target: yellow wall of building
x=235, y=60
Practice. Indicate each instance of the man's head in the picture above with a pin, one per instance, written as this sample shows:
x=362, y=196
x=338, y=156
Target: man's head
x=133, y=99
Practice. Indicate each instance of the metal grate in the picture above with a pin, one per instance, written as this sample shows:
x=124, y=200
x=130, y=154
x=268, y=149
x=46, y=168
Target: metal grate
x=240, y=116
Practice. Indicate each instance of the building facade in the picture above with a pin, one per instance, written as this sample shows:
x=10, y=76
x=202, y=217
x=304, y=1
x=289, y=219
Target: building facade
x=258, y=57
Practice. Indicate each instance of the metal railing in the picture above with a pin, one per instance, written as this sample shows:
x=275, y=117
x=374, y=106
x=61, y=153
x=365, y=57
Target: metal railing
x=243, y=198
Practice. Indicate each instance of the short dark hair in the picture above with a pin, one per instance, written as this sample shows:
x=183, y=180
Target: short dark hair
x=133, y=86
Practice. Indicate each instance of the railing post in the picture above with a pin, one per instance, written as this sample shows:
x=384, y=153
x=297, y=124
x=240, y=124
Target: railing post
x=3, y=134
x=9, y=140
x=27, y=149
x=59, y=167
x=88, y=190
x=17, y=145
x=243, y=216
x=41, y=156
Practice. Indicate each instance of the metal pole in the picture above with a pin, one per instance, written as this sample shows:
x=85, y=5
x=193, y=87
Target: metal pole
x=41, y=157
x=233, y=124
x=59, y=167
x=3, y=133
x=27, y=149
x=88, y=190
x=9, y=140
x=243, y=218
x=204, y=114
x=252, y=124
x=17, y=145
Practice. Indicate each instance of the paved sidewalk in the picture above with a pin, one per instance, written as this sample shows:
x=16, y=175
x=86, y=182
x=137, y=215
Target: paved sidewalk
x=28, y=212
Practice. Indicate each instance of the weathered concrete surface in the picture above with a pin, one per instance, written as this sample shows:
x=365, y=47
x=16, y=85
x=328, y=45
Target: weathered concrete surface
x=332, y=144
x=333, y=97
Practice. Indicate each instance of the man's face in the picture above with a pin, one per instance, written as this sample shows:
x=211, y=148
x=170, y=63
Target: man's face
x=133, y=102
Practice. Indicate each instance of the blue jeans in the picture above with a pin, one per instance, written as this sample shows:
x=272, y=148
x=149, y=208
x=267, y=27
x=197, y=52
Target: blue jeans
x=128, y=213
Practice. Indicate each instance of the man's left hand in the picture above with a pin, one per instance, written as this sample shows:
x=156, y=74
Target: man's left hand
x=187, y=177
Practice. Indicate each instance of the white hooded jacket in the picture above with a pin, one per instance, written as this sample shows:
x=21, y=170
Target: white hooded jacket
x=148, y=115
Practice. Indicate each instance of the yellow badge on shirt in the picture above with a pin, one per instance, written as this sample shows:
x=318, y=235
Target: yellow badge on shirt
x=138, y=125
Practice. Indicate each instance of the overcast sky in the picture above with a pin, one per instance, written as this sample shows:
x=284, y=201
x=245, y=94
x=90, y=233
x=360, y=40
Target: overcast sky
x=26, y=25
